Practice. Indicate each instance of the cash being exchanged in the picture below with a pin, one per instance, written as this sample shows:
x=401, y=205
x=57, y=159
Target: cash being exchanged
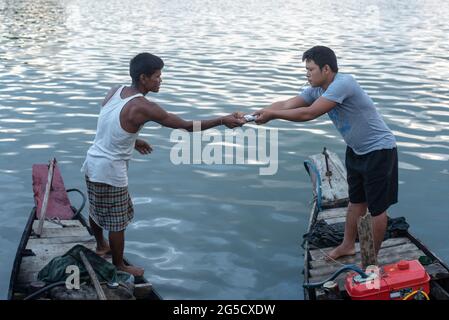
x=250, y=117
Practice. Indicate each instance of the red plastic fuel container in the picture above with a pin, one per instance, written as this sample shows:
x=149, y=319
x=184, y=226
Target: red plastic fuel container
x=392, y=282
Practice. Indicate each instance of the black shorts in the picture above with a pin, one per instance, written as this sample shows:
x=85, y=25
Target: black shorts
x=373, y=178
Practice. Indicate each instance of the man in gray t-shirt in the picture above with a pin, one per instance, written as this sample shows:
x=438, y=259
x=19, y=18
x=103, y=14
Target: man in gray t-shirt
x=354, y=114
x=371, y=154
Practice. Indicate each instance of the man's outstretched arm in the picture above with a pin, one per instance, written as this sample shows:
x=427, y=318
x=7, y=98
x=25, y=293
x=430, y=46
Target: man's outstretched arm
x=319, y=107
x=170, y=120
x=292, y=103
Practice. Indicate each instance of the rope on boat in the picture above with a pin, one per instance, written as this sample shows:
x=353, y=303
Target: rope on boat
x=83, y=198
x=329, y=257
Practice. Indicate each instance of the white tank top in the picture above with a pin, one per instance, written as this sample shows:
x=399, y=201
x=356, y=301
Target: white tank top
x=107, y=159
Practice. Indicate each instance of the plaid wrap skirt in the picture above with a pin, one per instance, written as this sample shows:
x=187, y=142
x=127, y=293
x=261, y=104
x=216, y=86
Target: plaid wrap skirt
x=110, y=207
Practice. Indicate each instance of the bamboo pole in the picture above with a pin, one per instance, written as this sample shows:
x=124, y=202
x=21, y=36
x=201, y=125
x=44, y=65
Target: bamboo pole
x=93, y=277
x=366, y=240
x=46, y=197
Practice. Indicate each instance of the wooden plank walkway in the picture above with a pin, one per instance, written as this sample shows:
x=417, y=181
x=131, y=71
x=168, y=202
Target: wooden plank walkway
x=56, y=239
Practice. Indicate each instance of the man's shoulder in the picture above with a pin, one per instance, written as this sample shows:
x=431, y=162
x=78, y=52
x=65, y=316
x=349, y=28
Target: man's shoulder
x=343, y=82
x=142, y=105
x=312, y=91
x=110, y=93
x=142, y=101
x=345, y=77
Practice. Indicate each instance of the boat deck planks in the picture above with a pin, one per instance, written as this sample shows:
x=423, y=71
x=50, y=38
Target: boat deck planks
x=318, y=254
x=64, y=228
x=332, y=213
x=334, y=202
x=327, y=268
x=392, y=250
x=62, y=232
x=56, y=224
x=56, y=239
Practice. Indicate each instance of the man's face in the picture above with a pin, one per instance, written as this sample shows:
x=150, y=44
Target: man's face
x=314, y=74
x=153, y=82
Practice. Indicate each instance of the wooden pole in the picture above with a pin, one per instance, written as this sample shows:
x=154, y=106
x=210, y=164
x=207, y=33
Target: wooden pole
x=93, y=277
x=366, y=240
x=46, y=197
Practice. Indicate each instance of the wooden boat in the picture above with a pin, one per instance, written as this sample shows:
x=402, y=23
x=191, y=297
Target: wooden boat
x=62, y=229
x=330, y=202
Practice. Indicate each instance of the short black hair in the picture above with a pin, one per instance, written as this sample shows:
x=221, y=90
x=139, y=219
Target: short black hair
x=322, y=55
x=144, y=63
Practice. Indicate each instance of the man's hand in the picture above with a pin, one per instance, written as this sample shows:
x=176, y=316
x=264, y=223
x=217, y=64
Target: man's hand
x=143, y=147
x=263, y=116
x=238, y=115
x=234, y=120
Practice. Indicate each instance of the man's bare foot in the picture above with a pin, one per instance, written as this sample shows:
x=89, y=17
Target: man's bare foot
x=103, y=250
x=340, y=251
x=135, y=271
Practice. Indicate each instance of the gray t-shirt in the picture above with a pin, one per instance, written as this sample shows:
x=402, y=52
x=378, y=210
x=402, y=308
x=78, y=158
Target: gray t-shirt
x=355, y=115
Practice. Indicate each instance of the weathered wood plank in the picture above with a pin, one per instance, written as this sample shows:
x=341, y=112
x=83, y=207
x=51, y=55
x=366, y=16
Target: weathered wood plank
x=335, y=187
x=397, y=250
x=33, y=266
x=366, y=240
x=43, y=212
x=317, y=254
x=35, y=263
x=67, y=224
x=323, y=273
x=45, y=253
x=335, y=220
x=142, y=290
x=62, y=232
x=61, y=240
x=394, y=250
x=93, y=277
x=332, y=213
x=437, y=271
x=58, y=249
x=24, y=278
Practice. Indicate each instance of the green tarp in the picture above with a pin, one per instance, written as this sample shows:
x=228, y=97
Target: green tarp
x=55, y=270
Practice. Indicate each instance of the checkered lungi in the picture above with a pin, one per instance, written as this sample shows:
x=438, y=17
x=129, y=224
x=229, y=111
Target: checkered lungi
x=110, y=207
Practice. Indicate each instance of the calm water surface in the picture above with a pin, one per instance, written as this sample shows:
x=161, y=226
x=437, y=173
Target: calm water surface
x=211, y=231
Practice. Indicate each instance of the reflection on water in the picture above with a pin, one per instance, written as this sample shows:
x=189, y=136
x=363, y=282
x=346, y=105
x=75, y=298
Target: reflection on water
x=219, y=231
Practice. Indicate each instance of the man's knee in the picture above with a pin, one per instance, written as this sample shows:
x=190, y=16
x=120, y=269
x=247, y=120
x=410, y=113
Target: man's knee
x=380, y=216
x=358, y=208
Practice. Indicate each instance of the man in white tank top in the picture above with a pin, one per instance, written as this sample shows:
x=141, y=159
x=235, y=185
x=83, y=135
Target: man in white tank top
x=124, y=112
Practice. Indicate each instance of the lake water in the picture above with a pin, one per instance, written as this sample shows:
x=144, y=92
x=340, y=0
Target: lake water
x=220, y=231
